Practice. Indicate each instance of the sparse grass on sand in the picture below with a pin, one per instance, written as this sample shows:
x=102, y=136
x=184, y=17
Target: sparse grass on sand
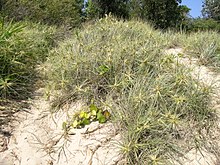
x=204, y=45
x=121, y=66
x=23, y=46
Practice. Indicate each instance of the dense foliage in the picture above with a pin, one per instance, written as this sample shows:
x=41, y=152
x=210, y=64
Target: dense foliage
x=163, y=13
x=120, y=66
x=22, y=47
x=200, y=24
x=98, y=8
x=45, y=11
x=211, y=9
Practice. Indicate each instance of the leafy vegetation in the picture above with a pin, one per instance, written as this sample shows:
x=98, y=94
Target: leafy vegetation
x=98, y=8
x=74, y=12
x=22, y=46
x=158, y=12
x=122, y=66
x=85, y=117
x=68, y=12
x=162, y=13
x=205, y=46
x=118, y=68
x=200, y=24
x=211, y=9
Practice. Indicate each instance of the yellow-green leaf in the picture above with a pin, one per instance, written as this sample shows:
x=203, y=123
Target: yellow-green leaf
x=87, y=115
x=82, y=114
x=93, y=112
x=100, y=117
x=93, y=108
x=75, y=124
x=64, y=126
x=85, y=122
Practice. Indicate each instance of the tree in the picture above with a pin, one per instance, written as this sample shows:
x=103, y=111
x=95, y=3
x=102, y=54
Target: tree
x=211, y=9
x=163, y=13
x=92, y=9
x=1, y=3
x=136, y=9
x=98, y=8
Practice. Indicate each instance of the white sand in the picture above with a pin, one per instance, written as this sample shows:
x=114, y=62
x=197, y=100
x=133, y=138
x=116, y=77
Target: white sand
x=37, y=140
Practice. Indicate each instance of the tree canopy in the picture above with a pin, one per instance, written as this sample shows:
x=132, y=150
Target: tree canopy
x=211, y=9
x=162, y=13
x=98, y=8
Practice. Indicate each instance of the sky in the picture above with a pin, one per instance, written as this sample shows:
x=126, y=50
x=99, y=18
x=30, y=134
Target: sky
x=195, y=6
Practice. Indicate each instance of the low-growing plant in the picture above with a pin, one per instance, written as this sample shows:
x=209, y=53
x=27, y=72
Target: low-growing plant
x=202, y=24
x=204, y=46
x=122, y=65
x=22, y=47
x=85, y=117
x=159, y=116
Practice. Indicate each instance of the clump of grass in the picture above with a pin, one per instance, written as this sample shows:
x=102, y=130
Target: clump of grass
x=97, y=57
x=22, y=47
x=205, y=46
x=122, y=65
x=160, y=116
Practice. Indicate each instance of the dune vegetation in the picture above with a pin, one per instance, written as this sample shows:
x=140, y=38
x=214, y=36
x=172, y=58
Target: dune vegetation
x=121, y=71
x=122, y=67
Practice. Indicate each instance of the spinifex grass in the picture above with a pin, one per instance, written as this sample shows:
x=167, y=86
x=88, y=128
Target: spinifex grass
x=158, y=115
x=205, y=46
x=122, y=65
x=202, y=45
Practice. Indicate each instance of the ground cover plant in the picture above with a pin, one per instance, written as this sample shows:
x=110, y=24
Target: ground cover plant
x=118, y=69
x=203, y=45
x=22, y=47
x=121, y=67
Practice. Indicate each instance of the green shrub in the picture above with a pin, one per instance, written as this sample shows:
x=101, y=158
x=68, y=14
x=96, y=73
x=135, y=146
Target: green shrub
x=201, y=24
x=22, y=47
x=58, y=12
x=123, y=68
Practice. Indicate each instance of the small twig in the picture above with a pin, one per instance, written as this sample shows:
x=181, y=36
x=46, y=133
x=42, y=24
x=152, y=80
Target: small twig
x=88, y=132
x=93, y=152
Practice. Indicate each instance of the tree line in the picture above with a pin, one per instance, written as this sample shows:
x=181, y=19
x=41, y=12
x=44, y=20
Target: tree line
x=162, y=14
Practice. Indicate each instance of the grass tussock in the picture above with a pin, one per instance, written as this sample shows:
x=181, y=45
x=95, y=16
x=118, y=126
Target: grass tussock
x=121, y=66
x=22, y=46
x=202, y=45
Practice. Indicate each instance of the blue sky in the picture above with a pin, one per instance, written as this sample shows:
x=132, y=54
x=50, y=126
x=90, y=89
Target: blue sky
x=195, y=6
